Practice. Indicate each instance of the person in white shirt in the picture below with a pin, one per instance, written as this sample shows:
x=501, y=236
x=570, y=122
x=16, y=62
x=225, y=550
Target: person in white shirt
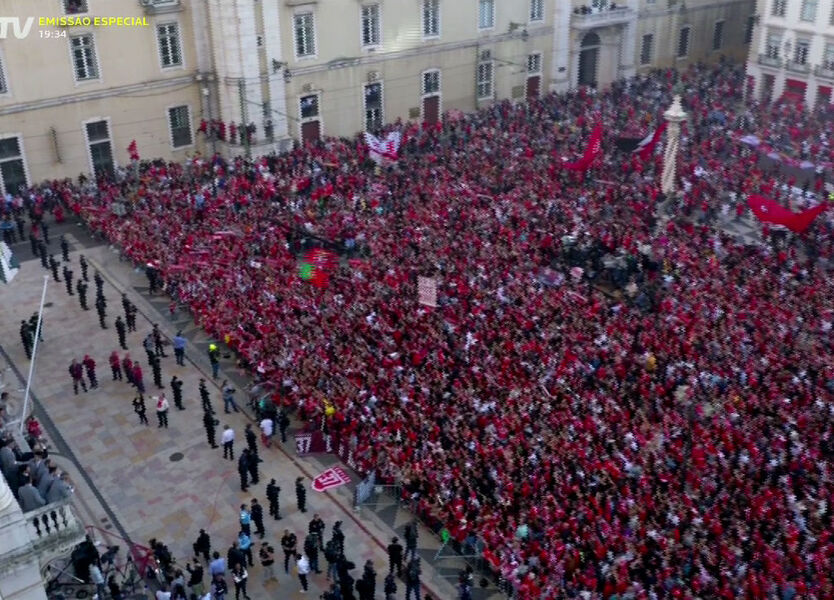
x=267, y=429
x=162, y=407
x=303, y=566
x=228, y=441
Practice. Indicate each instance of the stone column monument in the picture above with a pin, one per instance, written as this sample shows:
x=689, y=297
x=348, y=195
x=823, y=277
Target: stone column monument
x=674, y=116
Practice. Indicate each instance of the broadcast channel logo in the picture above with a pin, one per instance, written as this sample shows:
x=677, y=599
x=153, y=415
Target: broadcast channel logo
x=19, y=27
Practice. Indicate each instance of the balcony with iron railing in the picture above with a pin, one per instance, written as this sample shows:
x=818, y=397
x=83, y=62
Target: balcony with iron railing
x=37, y=536
x=158, y=7
x=585, y=18
x=770, y=60
x=798, y=67
x=825, y=70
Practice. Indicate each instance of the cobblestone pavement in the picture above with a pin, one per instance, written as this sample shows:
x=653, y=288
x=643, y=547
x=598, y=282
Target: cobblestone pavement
x=142, y=482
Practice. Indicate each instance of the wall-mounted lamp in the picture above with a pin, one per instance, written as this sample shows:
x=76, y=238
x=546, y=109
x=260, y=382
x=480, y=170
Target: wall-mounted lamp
x=277, y=65
x=287, y=75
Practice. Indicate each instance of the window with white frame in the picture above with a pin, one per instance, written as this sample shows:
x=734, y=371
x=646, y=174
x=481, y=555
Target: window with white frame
x=486, y=14
x=304, y=31
x=12, y=167
x=84, y=61
x=180, y=122
x=431, y=82
x=484, y=80
x=4, y=88
x=534, y=63
x=373, y=107
x=778, y=8
x=773, y=45
x=536, y=10
x=370, y=25
x=309, y=106
x=170, y=50
x=683, y=42
x=828, y=57
x=431, y=18
x=801, y=52
x=718, y=35
x=809, y=10
x=647, y=49
x=75, y=7
x=100, y=148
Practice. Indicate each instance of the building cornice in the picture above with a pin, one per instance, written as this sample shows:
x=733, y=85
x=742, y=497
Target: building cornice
x=158, y=84
x=665, y=12
x=423, y=49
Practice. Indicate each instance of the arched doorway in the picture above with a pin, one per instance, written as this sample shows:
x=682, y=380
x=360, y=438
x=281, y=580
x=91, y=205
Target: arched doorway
x=588, y=57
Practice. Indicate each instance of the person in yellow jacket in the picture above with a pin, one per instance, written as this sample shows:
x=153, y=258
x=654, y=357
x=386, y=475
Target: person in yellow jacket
x=214, y=359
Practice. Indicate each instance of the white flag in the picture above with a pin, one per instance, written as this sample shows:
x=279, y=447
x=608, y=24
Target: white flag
x=427, y=291
x=383, y=149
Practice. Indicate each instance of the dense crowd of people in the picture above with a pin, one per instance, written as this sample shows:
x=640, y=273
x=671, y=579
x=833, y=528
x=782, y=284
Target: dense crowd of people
x=671, y=441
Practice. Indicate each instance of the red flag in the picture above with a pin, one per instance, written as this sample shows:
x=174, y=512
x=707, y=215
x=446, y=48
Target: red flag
x=592, y=150
x=769, y=211
x=131, y=149
x=645, y=150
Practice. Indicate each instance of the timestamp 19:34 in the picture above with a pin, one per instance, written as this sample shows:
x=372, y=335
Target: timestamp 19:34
x=52, y=33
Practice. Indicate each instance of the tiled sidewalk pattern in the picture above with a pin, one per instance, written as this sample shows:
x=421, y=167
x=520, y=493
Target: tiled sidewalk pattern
x=130, y=464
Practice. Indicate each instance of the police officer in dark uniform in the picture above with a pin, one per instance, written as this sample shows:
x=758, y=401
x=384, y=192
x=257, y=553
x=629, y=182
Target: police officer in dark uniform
x=68, y=280
x=208, y=423
x=100, y=306
x=125, y=302
x=53, y=266
x=100, y=299
x=64, y=248
x=157, y=341
x=99, y=282
x=120, y=331
x=272, y=491
x=204, y=397
x=26, y=338
x=81, y=289
x=139, y=409
x=176, y=388
x=21, y=227
x=33, y=326
x=82, y=261
x=42, y=254
x=301, y=494
x=33, y=241
x=130, y=316
x=156, y=367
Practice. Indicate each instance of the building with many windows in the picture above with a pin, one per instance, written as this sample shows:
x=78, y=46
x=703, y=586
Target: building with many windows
x=792, y=51
x=75, y=91
x=674, y=33
x=74, y=95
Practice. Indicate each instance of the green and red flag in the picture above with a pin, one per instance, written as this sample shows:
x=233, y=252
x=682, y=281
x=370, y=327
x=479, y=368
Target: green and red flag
x=316, y=265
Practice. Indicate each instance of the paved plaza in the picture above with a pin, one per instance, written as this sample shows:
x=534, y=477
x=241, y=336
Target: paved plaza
x=141, y=482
